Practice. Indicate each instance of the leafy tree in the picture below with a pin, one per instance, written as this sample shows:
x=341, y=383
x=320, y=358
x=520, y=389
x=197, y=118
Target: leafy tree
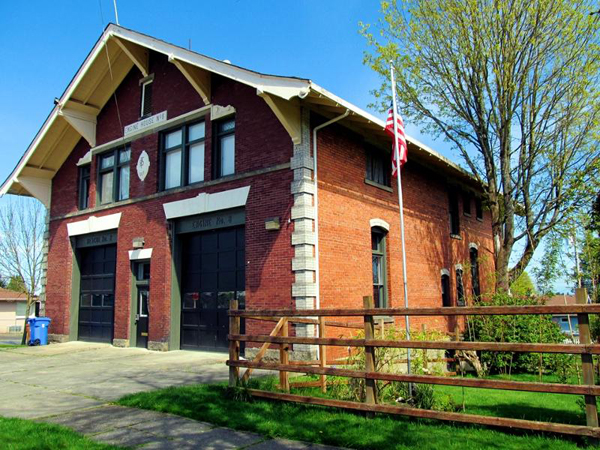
x=22, y=224
x=523, y=286
x=550, y=266
x=16, y=283
x=513, y=86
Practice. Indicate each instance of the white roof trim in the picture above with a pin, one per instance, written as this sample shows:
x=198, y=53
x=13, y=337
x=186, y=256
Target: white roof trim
x=204, y=203
x=142, y=253
x=94, y=224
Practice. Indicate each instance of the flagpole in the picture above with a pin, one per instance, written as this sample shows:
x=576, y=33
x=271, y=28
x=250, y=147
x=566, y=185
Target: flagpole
x=401, y=203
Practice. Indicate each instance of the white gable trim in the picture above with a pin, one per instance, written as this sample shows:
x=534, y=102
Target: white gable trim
x=94, y=225
x=204, y=203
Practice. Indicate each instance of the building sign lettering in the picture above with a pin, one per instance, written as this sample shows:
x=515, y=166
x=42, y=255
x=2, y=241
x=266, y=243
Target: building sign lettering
x=211, y=221
x=145, y=123
x=92, y=240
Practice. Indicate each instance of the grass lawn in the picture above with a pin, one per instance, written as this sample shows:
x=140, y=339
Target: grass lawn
x=19, y=434
x=4, y=346
x=214, y=404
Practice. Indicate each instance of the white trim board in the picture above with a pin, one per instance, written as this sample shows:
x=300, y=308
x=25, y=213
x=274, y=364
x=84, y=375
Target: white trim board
x=94, y=224
x=204, y=203
x=141, y=253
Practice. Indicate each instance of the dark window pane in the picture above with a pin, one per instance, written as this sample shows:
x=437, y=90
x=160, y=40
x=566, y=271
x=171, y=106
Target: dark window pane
x=124, y=183
x=190, y=299
x=107, y=161
x=97, y=300
x=479, y=208
x=446, y=291
x=108, y=300
x=474, y=260
x=453, y=209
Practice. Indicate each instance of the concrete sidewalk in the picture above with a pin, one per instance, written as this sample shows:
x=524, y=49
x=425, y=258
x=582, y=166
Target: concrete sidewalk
x=72, y=384
x=130, y=427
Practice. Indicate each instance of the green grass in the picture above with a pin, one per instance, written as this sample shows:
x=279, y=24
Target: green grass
x=19, y=434
x=3, y=346
x=215, y=404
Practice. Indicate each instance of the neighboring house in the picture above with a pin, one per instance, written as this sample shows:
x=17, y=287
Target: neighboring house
x=562, y=320
x=176, y=182
x=13, y=306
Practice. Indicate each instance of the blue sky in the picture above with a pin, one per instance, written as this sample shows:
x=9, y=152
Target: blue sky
x=43, y=43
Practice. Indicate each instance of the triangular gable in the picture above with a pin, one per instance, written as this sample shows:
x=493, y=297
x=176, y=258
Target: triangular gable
x=74, y=115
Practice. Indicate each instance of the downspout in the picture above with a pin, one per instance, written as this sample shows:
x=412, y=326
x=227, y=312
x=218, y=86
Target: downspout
x=316, y=197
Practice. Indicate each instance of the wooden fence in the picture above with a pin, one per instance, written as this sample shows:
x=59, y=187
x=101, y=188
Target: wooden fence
x=279, y=337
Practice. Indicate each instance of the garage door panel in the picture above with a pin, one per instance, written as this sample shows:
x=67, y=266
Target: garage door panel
x=96, y=310
x=222, y=273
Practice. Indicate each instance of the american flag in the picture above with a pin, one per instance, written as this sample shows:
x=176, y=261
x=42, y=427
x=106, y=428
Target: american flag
x=402, y=149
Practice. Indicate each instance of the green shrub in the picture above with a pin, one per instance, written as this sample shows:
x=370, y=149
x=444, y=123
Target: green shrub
x=518, y=329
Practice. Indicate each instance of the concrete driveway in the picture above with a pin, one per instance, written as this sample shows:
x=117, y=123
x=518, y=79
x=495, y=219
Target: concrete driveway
x=71, y=384
x=37, y=382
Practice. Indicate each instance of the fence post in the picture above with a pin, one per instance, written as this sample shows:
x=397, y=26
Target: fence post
x=322, y=353
x=370, y=385
x=587, y=362
x=234, y=346
x=284, y=358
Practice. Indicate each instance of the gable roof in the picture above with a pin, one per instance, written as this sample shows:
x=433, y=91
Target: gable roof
x=117, y=50
x=11, y=296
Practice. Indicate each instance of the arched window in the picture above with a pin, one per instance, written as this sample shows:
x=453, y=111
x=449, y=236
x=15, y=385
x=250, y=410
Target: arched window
x=474, y=259
x=379, y=267
x=460, y=287
x=446, y=300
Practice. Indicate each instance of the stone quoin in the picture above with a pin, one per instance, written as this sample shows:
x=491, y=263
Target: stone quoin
x=176, y=182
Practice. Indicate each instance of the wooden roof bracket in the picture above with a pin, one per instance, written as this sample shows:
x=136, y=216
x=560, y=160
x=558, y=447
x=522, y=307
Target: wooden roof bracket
x=83, y=121
x=198, y=78
x=287, y=112
x=137, y=54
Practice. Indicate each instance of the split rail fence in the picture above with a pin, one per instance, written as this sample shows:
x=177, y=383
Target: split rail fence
x=279, y=338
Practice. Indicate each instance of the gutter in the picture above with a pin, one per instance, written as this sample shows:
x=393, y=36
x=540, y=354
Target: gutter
x=316, y=180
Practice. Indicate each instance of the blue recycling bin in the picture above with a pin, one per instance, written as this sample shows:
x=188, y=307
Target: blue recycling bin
x=38, y=330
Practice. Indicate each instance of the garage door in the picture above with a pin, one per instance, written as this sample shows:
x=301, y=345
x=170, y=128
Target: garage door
x=213, y=273
x=97, y=297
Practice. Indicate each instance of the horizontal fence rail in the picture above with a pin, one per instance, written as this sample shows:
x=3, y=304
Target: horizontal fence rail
x=445, y=311
x=279, y=338
x=432, y=345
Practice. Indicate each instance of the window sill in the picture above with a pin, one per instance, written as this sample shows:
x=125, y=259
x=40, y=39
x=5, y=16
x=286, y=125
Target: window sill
x=377, y=185
x=480, y=219
x=467, y=214
x=455, y=236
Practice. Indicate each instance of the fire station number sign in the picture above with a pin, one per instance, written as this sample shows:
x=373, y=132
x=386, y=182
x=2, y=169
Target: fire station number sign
x=143, y=165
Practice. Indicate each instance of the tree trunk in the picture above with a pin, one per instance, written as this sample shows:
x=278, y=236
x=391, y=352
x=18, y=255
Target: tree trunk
x=27, y=313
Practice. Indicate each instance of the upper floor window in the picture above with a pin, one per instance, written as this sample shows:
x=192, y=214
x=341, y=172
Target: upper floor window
x=379, y=267
x=146, y=102
x=379, y=167
x=466, y=204
x=183, y=156
x=84, y=187
x=479, y=208
x=113, y=175
x=224, y=160
x=454, y=215
x=460, y=288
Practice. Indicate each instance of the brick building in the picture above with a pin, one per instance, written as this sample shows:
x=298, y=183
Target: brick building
x=176, y=182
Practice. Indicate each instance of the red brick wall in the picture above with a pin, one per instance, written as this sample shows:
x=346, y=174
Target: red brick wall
x=261, y=142
x=346, y=205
